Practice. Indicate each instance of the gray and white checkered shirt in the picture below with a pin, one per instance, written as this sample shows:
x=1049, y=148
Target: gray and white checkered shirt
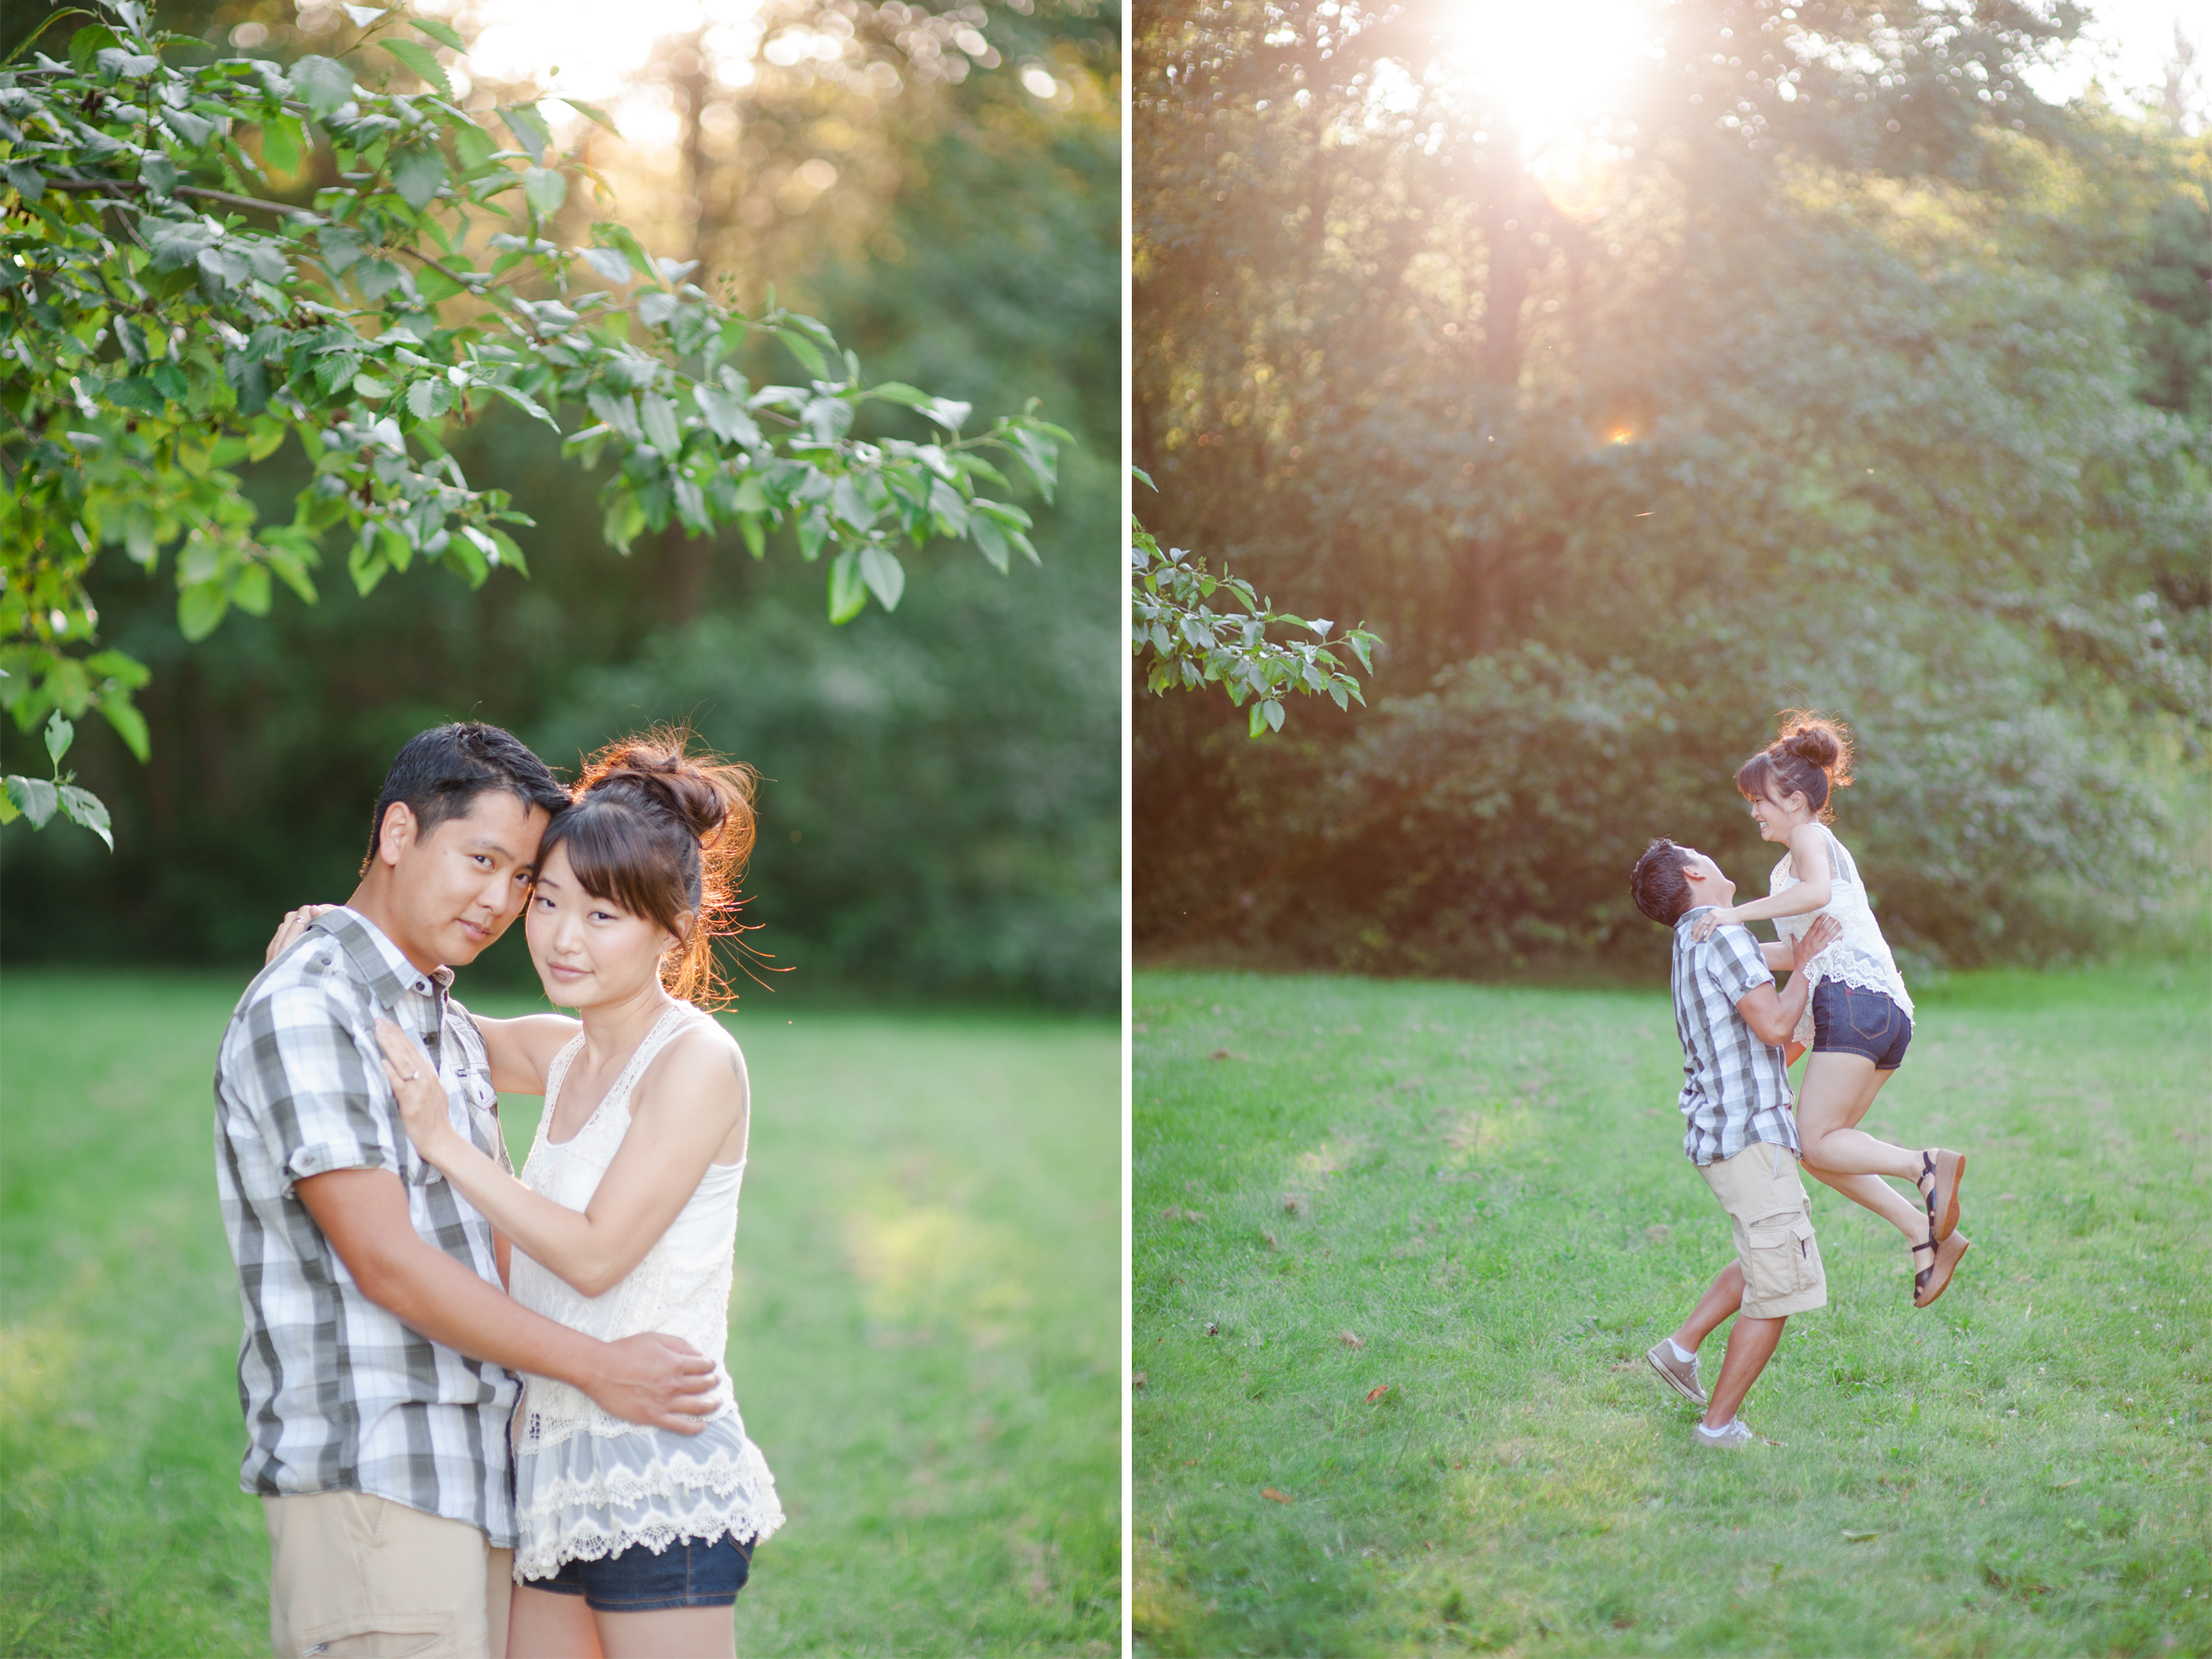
x=1735, y=1088
x=339, y=1395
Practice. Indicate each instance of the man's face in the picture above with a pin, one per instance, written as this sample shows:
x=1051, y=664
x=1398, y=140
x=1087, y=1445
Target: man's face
x=457, y=890
x=1707, y=885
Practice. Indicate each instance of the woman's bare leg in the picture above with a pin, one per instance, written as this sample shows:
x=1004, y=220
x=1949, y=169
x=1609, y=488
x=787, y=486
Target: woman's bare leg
x=1837, y=1092
x=676, y=1634
x=543, y=1625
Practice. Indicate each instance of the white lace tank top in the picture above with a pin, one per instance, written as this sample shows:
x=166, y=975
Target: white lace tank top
x=588, y=1484
x=1861, y=956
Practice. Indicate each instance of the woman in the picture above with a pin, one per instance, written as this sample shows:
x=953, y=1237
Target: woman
x=1859, y=1018
x=633, y=1541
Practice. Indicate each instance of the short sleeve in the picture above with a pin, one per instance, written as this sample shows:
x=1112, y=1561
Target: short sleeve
x=1737, y=965
x=318, y=1104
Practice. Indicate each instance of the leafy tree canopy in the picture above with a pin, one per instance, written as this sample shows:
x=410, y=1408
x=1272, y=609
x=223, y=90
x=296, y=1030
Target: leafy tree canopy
x=1827, y=366
x=202, y=256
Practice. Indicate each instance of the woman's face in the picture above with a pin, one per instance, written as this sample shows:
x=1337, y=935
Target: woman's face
x=589, y=950
x=1777, y=815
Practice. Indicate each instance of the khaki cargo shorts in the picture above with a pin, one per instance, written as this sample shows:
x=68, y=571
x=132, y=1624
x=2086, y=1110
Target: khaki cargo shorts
x=1761, y=1190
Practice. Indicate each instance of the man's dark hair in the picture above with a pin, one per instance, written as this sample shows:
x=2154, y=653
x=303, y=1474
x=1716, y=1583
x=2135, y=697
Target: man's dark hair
x=439, y=773
x=1657, y=884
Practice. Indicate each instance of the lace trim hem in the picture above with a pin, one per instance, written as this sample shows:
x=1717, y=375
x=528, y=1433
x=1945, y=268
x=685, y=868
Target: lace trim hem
x=621, y=1487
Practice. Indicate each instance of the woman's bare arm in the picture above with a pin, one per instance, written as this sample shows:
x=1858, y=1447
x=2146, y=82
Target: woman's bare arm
x=1808, y=852
x=690, y=1103
x=521, y=1050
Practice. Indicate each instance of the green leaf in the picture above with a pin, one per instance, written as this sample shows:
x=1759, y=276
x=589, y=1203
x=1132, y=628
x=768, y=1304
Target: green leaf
x=591, y=114
x=323, y=83
x=336, y=369
x=988, y=535
x=805, y=351
x=657, y=415
x=528, y=126
x=35, y=798
x=200, y=607
x=445, y=34
x=282, y=144
x=9, y=811
x=883, y=574
x=1274, y=713
x=418, y=173
x=610, y=263
x=726, y=417
x=544, y=189
x=527, y=404
x=368, y=387
x=511, y=552
x=814, y=530
x=435, y=285
x=475, y=148
x=427, y=399
x=848, y=591
x=423, y=62
x=60, y=733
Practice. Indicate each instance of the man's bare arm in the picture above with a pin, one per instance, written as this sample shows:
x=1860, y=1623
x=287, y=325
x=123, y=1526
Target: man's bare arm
x=1772, y=1014
x=651, y=1378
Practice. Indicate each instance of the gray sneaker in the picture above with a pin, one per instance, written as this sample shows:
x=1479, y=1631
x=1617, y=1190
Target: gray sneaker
x=1681, y=1377
x=1732, y=1436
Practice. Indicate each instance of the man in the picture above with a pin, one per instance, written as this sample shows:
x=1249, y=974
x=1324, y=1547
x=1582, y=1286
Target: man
x=376, y=1369
x=1741, y=1138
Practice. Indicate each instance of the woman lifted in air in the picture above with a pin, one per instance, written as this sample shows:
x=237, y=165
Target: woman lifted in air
x=1859, y=1017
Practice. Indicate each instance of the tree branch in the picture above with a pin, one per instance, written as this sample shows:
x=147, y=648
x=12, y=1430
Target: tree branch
x=204, y=193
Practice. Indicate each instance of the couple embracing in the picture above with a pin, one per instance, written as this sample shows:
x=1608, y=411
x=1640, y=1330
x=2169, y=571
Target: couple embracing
x=488, y=1415
x=1847, y=1003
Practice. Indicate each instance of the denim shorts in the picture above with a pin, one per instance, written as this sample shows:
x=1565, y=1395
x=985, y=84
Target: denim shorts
x=686, y=1574
x=1847, y=1021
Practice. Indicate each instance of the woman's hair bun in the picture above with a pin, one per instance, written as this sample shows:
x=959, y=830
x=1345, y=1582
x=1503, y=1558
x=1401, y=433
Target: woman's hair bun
x=1819, y=741
x=700, y=796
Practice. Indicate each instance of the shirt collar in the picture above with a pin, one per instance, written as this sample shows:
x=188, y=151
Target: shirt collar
x=382, y=964
x=1682, y=920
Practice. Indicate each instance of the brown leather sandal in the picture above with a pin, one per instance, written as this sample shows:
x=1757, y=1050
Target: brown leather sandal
x=1932, y=1281
x=1939, y=1176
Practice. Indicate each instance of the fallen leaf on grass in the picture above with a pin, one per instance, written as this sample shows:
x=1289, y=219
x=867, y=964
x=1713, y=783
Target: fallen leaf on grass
x=1270, y=1238
x=1137, y=1381
x=2063, y=1485
x=1212, y=1329
x=1851, y=1538
x=1350, y=1341
x=1222, y=1054
x=1377, y=1391
x=1277, y=1496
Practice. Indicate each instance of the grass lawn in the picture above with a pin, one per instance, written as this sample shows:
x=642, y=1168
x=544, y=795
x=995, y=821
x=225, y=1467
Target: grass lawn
x=1399, y=1250
x=923, y=1331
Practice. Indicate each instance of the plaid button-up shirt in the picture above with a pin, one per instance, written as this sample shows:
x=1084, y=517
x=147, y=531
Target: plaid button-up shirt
x=339, y=1396
x=1735, y=1088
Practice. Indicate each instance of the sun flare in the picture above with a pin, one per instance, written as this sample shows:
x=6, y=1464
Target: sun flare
x=1550, y=66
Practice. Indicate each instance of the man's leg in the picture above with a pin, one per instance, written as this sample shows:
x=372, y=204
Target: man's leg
x=357, y=1577
x=1750, y=1345
x=1722, y=1297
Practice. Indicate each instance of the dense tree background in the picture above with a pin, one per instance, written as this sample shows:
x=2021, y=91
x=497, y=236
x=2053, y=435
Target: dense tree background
x=940, y=810
x=1833, y=367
